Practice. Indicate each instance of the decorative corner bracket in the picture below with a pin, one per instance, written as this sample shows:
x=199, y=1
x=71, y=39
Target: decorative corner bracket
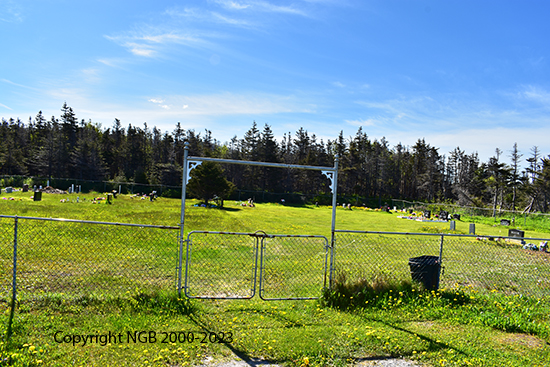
x=190, y=166
x=330, y=176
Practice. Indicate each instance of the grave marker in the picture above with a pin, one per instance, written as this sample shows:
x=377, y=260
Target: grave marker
x=516, y=233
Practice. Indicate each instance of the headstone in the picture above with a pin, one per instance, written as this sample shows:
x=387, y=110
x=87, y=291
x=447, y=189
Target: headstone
x=427, y=213
x=109, y=198
x=516, y=233
x=25, y=187
x=443, y=215
x=504, y=222
x=9, y=190
x=37, y=196
x=453, y=225
x=456, y=216
x=472, y=228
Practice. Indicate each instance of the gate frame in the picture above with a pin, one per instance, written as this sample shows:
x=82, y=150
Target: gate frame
x=259, y=263
x=190, y=162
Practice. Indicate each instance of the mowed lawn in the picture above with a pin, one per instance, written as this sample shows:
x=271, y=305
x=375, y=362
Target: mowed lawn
x=455, y=326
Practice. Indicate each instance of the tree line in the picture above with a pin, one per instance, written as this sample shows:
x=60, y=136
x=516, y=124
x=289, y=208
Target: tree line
x=65, y=147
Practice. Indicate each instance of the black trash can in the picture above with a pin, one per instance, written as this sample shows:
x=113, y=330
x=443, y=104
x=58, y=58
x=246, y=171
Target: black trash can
x=426, y=269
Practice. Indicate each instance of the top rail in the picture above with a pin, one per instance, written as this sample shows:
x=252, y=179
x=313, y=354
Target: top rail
x=258, y=234
x=442, y=234
x=90, y=222
x=265, y=164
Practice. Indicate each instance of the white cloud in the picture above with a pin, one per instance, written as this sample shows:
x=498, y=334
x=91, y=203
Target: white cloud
x=484, y=141
x=149, y=41
x=236, y=104
x=234, y=5
x=361, y=122
x=261, y=6
x=11, y=12
x=203, y=16
x=536, y=94
x=6, y=107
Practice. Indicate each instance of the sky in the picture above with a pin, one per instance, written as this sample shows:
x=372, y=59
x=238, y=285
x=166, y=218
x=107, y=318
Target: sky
x=467, y=74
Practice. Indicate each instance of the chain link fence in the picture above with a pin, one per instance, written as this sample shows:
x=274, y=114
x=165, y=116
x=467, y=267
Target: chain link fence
x=234, y=265
x=483, y=263
x=505, y=217
x=71, y=258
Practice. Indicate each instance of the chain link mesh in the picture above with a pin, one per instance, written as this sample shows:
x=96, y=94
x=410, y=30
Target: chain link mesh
x=6, y=257
x=221, y=265
x=76, y=258
x=378, y=256
x=73, y=259
x=483, y=264
x=293, y=267
x=225, y=265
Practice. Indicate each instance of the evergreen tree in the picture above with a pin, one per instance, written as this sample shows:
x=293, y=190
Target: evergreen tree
x=207, y=182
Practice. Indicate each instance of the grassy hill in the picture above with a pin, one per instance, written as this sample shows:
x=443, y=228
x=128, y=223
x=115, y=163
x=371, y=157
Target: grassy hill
x=454, y=326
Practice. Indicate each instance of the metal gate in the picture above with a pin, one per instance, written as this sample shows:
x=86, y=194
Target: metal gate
x=227, y=265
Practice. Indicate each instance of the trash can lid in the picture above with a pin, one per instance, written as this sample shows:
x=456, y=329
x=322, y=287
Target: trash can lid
x=424, y=260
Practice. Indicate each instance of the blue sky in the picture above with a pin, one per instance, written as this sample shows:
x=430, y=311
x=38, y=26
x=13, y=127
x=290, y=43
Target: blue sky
x=473, y=74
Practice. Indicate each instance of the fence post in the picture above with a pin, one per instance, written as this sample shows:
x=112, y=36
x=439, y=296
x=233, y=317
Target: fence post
x=14, y=282
x=333, y=224
x=182, y=219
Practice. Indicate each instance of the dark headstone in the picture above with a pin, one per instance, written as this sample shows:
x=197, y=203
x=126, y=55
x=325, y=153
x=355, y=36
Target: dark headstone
x=504, y=222
x=37, y=196
x=427, y=214
x=453, y=225
x=443, y=215
x=9, y=190
x=472, y=228
x=456, y=216
x=26, y=188
x=516, y=233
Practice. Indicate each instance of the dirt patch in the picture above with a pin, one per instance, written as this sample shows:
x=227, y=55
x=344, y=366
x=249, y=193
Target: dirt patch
x=390, y=362
x=51, y=190
x=523, y=340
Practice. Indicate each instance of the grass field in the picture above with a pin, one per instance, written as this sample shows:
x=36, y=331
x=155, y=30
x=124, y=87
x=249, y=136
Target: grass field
x=127, y=323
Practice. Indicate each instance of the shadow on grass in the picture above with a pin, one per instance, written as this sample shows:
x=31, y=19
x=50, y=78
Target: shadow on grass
x=433, y=345
x=241, y=354
x=139, y=302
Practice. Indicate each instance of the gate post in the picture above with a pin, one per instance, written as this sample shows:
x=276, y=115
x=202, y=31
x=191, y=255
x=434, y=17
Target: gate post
x=333, y=224
x=182, y=219
x=14, y=282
